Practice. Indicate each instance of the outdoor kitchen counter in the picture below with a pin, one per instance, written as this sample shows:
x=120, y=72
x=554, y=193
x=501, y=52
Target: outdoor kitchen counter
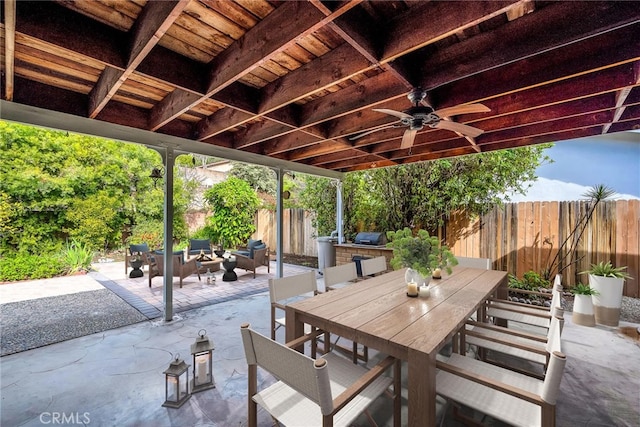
x=346, y=251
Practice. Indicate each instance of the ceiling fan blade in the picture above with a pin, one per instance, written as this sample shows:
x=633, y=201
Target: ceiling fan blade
x=398, y=114
x=462, y=109
x=407, y=138
x=360, y=135
x=459, y=127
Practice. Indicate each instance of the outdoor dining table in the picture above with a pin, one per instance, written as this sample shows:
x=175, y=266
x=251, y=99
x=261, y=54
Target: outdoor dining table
x=378, y=313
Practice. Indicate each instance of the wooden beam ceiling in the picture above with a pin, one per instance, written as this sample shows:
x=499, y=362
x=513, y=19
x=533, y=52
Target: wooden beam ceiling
x=297, y=81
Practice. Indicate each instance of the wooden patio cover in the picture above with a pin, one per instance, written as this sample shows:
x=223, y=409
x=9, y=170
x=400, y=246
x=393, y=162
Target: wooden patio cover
x=296, y=80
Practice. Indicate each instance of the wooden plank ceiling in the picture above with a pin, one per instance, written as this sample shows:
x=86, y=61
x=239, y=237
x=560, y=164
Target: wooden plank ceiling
x=297, y=80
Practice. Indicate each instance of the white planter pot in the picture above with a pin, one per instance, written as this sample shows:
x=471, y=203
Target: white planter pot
x=609, y=299
x=583, y=311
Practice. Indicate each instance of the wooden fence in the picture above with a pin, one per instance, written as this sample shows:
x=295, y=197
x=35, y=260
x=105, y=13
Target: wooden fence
x=524, y=236
x=518, y=237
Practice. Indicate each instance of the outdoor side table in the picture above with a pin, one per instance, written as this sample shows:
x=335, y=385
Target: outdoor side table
x=137, y=271
x=229, y=275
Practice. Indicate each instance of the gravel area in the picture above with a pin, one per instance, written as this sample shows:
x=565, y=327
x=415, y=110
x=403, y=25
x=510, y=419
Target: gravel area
x=38, y=322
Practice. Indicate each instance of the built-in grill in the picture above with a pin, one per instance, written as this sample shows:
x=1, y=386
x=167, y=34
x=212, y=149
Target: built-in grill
x=367, y=239
x=370, y=238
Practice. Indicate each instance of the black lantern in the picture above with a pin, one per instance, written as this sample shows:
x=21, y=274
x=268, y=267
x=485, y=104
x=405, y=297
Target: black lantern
x=202, y=351
x=176, y=383
x=156, y=174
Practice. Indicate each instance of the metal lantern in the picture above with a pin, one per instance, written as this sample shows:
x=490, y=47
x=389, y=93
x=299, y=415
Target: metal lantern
x=202, y=351
x=176, y=383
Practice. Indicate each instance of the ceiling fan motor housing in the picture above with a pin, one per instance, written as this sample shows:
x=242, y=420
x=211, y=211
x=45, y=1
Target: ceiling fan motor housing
x=421, y=116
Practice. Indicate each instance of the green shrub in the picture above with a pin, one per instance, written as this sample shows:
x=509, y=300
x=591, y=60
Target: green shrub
x=25, y=266
x=77, y=256
x=531, y=281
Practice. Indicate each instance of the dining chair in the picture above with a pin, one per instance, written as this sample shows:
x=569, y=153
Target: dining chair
x=328, y=391
x=518, y=344
x=556, y=299
x=535, y=316
x=503, y=394
x=337, y=277
x=286, y=289
x=373, y=266
x=482, y=263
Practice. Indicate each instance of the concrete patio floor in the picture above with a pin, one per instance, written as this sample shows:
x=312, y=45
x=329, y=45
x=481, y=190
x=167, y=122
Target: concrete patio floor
x=114, y=378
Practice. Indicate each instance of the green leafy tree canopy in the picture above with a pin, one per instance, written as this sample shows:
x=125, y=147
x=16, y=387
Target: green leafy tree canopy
x=234, y=204
x=423, y=195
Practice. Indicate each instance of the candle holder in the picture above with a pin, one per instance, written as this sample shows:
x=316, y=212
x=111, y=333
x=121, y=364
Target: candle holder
x=202, y=351
x=176, y=383
x=414, y=280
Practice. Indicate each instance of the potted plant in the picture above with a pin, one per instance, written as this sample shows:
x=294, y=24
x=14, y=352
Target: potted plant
x=420, y=252
x=582, y=305
x=608, y=282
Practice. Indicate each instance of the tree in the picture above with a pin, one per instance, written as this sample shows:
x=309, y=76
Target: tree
x=55, y=185
x=260, y=178
x=234, y=205
x=423, y=195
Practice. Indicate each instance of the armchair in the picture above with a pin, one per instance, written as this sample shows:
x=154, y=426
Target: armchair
x=198, y=246
x=181, y=268
x=256, y=258
x=145, y=255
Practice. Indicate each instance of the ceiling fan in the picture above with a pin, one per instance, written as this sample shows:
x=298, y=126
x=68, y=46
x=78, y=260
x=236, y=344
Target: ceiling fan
x=422, y=114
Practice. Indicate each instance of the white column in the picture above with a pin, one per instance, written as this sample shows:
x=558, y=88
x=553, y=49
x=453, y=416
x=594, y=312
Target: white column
x=167, y=290
x=339, y=212
x=279, y=213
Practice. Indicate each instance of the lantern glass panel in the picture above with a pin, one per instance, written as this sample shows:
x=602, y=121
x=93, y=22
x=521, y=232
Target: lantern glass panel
x=171, y=388
x=182, y=385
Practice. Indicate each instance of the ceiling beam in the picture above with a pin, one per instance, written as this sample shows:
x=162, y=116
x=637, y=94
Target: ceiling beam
x=524, y=38
x=153, y=21
x=9, y=47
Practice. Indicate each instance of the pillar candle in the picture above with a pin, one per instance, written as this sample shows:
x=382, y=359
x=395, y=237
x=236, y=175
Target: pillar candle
x=412, y=288
x=424, y=291
x=201, y=370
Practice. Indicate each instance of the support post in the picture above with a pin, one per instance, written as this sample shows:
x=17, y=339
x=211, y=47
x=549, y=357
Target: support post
x=339, y=212
x=167, y=290
x=279, y=214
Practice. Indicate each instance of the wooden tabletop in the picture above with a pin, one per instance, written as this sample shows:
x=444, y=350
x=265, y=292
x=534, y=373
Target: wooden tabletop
x=378, y=313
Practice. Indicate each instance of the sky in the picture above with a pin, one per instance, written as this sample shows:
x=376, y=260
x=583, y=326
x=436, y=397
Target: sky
x=613, y=160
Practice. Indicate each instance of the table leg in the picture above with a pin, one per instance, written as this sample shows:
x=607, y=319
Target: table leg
x=422, y=389
x=294, y=328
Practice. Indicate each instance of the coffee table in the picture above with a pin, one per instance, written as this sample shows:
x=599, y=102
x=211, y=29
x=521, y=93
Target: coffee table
x=213, y=265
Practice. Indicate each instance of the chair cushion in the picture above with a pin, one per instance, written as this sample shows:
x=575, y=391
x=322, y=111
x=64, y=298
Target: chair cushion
x=197, y=245
x=181, y=253
x=142, y=247
x=255, y=248
x=253, y=243
x=243, y=253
